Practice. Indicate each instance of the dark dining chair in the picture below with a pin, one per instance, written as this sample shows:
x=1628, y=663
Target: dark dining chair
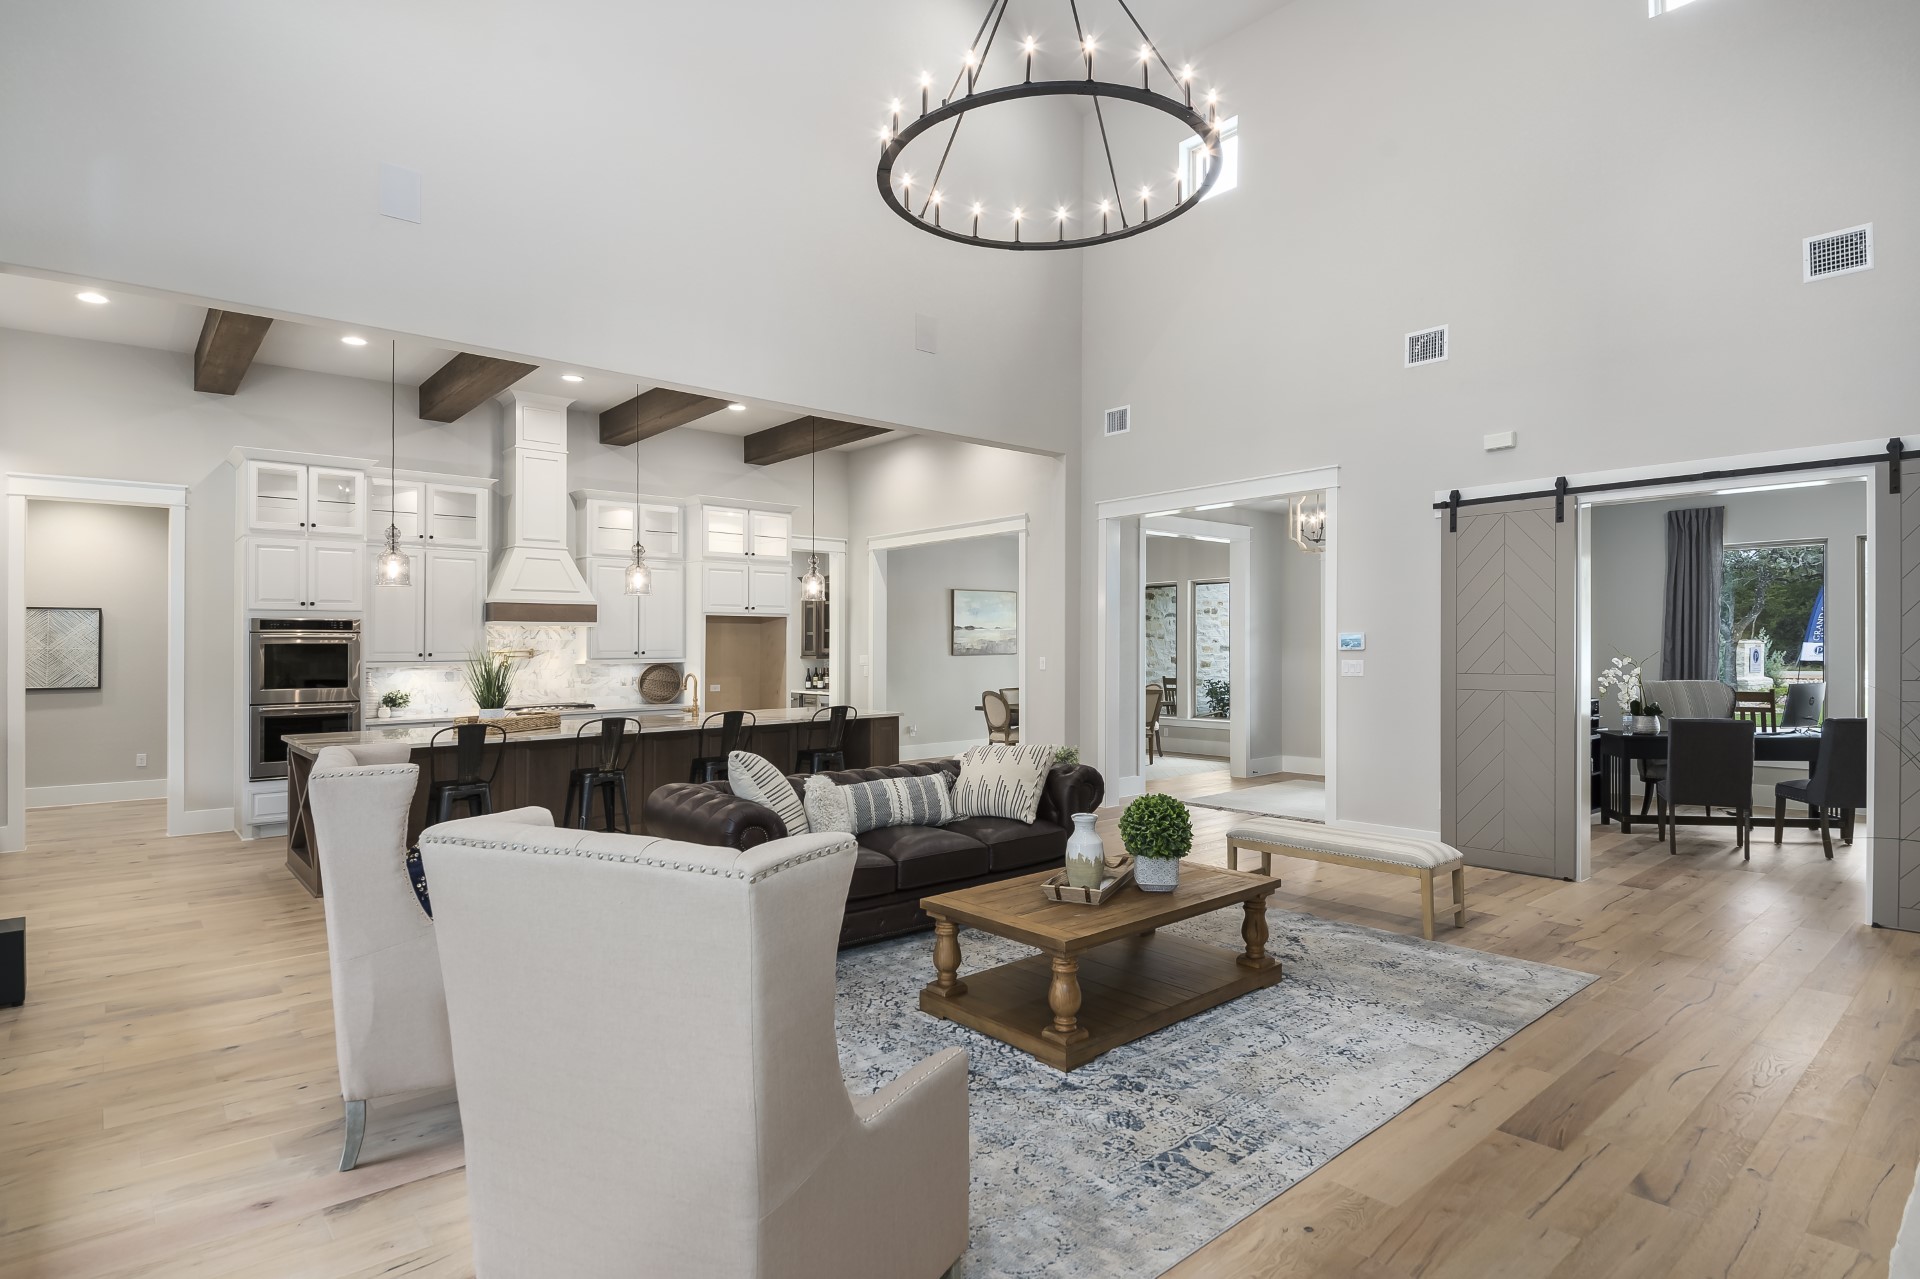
x=1156, y=700
x=1806, y=703
x=713, y=745
x=600, y=763
x=476, y=759
x=1710, y=763
x=1837, y=784
x=823, y=740
x=1755, y=705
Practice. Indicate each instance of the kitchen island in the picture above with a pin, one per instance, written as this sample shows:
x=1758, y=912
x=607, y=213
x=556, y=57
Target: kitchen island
x=535, y=769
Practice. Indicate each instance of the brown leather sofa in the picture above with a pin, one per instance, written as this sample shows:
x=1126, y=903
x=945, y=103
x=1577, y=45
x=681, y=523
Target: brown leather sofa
x=897, y=865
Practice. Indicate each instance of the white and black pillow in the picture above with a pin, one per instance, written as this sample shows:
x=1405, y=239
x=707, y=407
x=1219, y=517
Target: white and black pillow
x=887, y=801
x=1003, y=781
x=756, y=778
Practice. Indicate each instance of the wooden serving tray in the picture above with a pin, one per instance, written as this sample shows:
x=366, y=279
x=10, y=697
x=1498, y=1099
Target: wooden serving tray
x=541, y=723
x=1056, y=887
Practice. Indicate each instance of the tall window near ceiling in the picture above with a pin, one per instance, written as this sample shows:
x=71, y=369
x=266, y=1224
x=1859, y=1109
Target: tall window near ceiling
x=1163, y=639
x=1772, y=614
x=1657, y=7
x=1193, y=160
x=1212, y=646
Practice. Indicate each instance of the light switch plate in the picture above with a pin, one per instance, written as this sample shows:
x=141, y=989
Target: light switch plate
x=1353, y=666
x=140, y=760
x=713, y=688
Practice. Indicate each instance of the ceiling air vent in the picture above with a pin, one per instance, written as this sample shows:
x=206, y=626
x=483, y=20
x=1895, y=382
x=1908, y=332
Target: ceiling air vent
x=1428, y=346
x=1841, y=253
x=1120, y=420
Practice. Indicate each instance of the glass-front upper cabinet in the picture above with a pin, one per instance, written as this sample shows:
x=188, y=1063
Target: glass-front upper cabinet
x=276, y=496
x=288, y=497
x=336, y=501
x=444, y=514
x=397, y=503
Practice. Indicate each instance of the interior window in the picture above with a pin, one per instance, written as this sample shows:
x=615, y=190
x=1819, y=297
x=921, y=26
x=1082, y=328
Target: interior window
x=1193, y=160
x=1212, y=646
x=1772, y=614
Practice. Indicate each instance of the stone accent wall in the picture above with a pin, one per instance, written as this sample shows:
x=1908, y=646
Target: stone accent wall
x=1211, y=642
x=1163, y=632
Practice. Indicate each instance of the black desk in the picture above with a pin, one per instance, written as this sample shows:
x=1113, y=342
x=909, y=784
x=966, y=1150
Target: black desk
x=1618, y=749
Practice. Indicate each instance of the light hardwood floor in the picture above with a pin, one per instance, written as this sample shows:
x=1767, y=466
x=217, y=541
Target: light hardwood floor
x=1738, y=1095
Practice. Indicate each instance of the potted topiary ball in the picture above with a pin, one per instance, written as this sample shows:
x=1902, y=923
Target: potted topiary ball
x=1156, y=830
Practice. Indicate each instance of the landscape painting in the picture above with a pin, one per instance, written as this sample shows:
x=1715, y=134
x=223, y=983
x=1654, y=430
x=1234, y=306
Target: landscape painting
x=985, y=623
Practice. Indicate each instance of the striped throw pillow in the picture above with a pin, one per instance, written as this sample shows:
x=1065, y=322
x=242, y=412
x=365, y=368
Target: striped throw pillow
x=756, y=778
x=888, y=801
x=1003, y=781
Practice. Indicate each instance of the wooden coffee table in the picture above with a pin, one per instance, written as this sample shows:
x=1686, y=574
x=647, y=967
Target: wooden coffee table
x=1131, y=980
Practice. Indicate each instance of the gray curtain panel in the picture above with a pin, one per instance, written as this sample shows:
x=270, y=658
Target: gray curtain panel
x=1690, y=627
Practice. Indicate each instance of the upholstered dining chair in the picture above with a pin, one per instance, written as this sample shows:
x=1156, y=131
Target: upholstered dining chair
x=389, y=1007
x=1000, y=725
x=1710, y=763
x=1837, y=784
x=1681, y=699
x=1156, y=697
x=649, y=1080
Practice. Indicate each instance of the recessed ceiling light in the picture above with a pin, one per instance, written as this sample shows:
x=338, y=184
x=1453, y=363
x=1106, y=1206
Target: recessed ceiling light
x=351, y=340
x=1769, y=488
x=1214, y=506
x=97, y=299
x=571, y=377
x=1154, y=515
x=736, y=408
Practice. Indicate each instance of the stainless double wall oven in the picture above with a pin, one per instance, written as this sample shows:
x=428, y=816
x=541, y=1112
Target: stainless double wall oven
x=303, y=676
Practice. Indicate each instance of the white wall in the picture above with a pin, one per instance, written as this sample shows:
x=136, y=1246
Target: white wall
x=113, y=558
x=662, y=189
x=73, y=407
x=1630, y=565
x=1608, y=210
x=925, y=483
x=934, y=691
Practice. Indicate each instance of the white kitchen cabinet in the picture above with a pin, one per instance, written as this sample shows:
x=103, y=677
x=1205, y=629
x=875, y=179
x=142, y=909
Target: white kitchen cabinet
x=768, y=587
x=289, y=497
x=437, y=616
x=539, y=499
x=399, y=504
x=723, y=531
x=770, y=533
x=744, y=588
x=456, y=515
x=605, y=528
x=276, y=573
x=337, y=576
x=651, y=626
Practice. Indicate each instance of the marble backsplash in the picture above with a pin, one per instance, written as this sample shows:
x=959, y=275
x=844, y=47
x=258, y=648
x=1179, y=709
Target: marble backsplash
x=558, y=671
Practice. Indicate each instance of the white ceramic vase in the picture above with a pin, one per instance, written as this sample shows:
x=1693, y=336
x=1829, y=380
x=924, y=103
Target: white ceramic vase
x=1156, y=874
x=493, y=712
x=381, y=712
x=1086, y=855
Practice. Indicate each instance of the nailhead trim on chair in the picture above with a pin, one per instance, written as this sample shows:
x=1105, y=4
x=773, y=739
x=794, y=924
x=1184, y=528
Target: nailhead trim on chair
x=366, y=770
x=659, y=863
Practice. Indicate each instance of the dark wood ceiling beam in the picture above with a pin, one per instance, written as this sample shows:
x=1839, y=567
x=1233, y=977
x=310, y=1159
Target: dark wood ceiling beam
x=228, y=342
x=802, y=436
x=653, y=412
x=466, y=382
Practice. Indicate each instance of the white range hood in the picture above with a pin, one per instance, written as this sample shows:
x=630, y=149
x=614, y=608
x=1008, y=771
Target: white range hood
x=534, y=578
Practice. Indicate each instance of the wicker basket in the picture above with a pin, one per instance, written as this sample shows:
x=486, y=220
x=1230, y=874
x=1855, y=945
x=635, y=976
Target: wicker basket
x=1058, y=889
x=539, y=722
x=659, y=683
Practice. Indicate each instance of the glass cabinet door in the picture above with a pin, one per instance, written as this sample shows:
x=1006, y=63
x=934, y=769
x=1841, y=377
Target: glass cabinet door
x=336, y=501
x=276, y=496
x=399, y=504
x=456, y=516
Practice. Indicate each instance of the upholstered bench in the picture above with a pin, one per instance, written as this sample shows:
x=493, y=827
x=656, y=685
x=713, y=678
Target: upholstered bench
x=1420, y=858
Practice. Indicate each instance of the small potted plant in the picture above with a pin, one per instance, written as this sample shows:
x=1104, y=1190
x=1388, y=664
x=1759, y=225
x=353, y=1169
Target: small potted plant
x=1157, y=831
x=395, y=700
x=490, y=682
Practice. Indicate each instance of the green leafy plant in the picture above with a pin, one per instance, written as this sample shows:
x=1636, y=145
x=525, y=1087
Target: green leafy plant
x=397, y=700
x=1636, y=708
x=1156, y=826
x=1219, y=695
x=1067, y=756
x=489, y=680
x=1653, y=708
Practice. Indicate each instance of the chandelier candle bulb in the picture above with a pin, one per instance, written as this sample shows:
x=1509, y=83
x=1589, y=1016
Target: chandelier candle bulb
x=1186, y=83
x=976, y=221
x=896, y=115
x=1029, y=52
x=926, y=84
x=1146, y=53
x=1145, y=194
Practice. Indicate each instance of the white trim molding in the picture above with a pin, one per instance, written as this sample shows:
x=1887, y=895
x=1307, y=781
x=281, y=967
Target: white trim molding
x=95, y=793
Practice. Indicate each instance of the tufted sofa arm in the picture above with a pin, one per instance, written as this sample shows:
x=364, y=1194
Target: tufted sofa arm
x=1070, y=789
x=709, y=813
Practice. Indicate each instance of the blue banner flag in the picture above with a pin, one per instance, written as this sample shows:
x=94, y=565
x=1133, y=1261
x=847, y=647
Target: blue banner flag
x=1814, y=647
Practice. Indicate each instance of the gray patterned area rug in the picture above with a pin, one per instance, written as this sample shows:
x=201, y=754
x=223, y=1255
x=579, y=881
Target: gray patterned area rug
x=1131, y=1162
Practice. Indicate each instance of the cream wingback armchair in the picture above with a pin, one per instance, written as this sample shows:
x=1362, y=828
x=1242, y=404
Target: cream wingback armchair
x=649, y=1081
x=389, y=1007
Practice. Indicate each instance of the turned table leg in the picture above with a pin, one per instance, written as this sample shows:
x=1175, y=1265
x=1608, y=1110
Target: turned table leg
x=1063, y=997
x=1253, y=931
x=946, y=960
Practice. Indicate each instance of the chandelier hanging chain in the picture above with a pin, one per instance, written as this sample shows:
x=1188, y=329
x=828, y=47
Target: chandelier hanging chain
x=994, y=7
x=1080, y=33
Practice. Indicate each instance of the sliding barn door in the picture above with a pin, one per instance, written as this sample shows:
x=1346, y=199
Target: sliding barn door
x=1893, y=716
x=1509, y=666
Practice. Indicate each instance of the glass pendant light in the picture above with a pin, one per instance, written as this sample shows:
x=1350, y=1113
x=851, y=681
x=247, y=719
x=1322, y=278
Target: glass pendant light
x=639, y=575
x=392, y=567
x=813, y=586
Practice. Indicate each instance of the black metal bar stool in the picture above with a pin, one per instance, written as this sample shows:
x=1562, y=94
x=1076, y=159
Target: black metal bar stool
x=605, y=772
x=472, y=780
x=734, y=734
x=824, y=740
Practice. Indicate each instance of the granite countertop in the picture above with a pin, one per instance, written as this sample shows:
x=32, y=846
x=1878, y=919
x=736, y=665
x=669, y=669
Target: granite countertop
x=669, y=721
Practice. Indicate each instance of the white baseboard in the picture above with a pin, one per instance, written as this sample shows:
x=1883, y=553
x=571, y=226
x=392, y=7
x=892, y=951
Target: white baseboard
x=1261, y=765
x=7, y=844
x=96, y=793
x=202, y=821
x=912, y=750
x=1375, y=828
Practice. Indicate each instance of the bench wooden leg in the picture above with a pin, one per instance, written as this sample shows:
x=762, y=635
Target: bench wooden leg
x=1233, y=855
x=1426, y=904
x=1459, y=897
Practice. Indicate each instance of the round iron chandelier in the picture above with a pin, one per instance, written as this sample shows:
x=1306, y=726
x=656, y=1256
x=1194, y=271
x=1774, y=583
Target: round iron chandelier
x=969, y=92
